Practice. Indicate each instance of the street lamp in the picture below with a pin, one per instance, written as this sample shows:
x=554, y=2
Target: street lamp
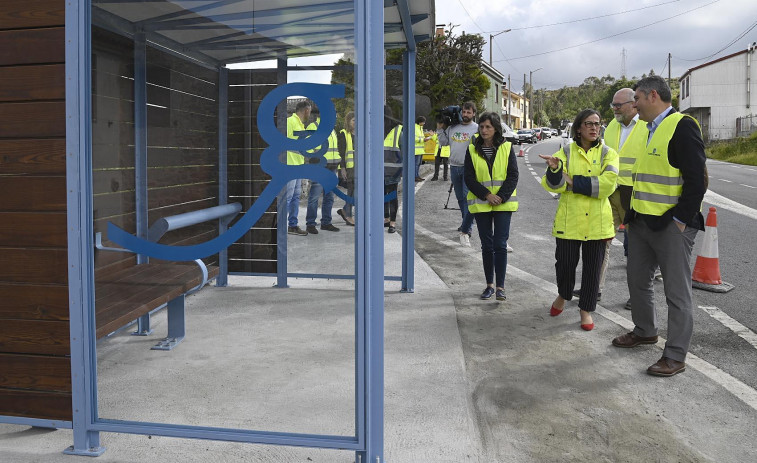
x=491, y=36
x=531, y=95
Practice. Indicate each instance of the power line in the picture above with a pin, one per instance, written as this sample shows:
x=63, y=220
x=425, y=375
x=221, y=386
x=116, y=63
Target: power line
x=589, y=19
x=471, y=17
x=728, y=45
x=614, y=35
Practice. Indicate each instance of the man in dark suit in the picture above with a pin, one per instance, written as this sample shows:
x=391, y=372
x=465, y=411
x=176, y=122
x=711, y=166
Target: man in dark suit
x=662, y=223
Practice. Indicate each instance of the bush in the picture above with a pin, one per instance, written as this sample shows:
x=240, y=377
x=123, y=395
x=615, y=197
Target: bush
x=739, y=151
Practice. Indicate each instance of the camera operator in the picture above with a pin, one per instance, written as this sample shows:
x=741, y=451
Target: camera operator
x=458, y=136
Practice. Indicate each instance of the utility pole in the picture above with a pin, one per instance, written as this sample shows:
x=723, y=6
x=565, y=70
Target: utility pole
x=623, y=65
x=509, y=93
x=669, y=69
x=491, y=36
x=531, y=91
x=525, y=103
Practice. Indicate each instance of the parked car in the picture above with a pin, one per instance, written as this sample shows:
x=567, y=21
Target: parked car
x=546, y=133
x=537, y=132
x=527, y=136
x=555, y=132
x=510, y=134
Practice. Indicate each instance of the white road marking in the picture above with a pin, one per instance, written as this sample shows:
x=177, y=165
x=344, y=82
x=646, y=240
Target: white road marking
x=724, y=180
x=733, y=385
x=748, y=186
x=741, y=330
x=729, y=204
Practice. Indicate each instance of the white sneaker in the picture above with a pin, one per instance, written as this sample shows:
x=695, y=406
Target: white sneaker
x=509, y=248
x=464, y=239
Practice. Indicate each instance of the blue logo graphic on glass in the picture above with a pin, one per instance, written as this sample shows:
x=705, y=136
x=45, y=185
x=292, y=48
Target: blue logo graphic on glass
x=269, y=161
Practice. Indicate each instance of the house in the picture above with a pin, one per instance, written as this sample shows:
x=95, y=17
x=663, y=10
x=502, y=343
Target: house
x=514, y=106
x=492, y=100
x=720, y=94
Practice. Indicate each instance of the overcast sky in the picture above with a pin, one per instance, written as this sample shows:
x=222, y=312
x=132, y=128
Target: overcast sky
x=647, y=29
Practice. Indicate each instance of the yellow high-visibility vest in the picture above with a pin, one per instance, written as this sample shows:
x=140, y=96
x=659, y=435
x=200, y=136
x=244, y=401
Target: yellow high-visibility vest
x=419, y=140
x=633, y=147
x=294, y=124
x=349, y=152
x=332, y=153
x=493, y=181
x=656, y=184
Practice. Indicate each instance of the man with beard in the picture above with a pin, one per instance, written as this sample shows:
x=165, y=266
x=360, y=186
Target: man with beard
x=458, y=137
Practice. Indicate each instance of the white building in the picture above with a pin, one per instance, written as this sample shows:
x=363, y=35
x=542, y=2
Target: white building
x=721, y=95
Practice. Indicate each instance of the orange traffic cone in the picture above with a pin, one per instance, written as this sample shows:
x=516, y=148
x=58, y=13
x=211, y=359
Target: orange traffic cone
x=707, y=268
x=621, y=227
x=521, y=153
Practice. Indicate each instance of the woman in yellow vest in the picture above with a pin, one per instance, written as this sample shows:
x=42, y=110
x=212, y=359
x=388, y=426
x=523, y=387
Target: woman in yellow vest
x=585, y=174
x=491, y=174
x=442, y=152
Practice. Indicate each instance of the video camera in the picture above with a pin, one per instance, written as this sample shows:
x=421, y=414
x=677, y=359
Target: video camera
x=451, y=115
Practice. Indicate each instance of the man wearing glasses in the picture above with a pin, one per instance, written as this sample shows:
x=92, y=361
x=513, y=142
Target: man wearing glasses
x=662, y=223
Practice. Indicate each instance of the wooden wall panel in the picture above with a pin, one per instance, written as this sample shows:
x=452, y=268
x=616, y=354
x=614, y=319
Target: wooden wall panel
x=35, y=372
x=33, y=156
x=34, y=332
x=33, y=194
x=17, y=14
x=29, y=120
x=31, y=229
x=33, y=302
x=46, y=82
x=33, y=46
x=38, y=266
x=34, y=337
x=34, y=404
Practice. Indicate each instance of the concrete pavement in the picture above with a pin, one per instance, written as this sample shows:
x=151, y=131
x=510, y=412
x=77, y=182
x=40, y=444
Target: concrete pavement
x=466, y=380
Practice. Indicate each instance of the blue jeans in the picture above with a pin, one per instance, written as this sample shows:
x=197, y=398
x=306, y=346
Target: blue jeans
x=457, y=175
x=328, y=202
x=294, y=189
x=494, y=243
x=418, y=161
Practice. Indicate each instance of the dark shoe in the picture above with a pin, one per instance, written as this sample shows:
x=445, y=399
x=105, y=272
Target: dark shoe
x=628, y=304
x=666, y=367
x=312, y=229
x=419, y=179
x=632, y=340
x=329, y=227
x=344, y=217
x=386, y=224
x=500, y=294
x=434, y=178
x=488, y=293
x=577, y=293
x=296, y=231
x=391, y=229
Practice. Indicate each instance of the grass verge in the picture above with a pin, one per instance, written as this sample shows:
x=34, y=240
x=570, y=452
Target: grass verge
x=739, y=151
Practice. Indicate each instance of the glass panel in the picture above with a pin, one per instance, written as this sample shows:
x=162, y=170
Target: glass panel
x=247, y=356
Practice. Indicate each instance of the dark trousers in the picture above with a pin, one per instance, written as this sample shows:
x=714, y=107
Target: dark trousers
x=437, y=162
x=391, y=206
x=566, y=256
x=494, y=231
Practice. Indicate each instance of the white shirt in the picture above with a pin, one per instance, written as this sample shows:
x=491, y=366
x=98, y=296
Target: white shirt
x=625, y=130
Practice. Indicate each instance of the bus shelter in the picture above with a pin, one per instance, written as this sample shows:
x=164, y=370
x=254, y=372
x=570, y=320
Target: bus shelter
x=171, y=169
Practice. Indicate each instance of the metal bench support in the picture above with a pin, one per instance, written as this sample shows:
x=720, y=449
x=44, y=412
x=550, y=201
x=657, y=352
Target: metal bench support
x=143, y=326
x=176, y=326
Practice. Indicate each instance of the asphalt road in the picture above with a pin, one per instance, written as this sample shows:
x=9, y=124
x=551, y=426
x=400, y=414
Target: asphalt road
x=725, y=323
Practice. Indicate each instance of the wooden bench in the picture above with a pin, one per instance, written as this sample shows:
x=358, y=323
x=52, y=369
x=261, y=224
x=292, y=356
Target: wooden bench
x=133, y=293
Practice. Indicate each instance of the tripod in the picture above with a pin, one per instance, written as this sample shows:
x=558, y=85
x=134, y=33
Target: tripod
x=449, y=195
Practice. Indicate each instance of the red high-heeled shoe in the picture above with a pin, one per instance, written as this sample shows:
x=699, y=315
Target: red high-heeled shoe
x=587, y=326
x=554, y=311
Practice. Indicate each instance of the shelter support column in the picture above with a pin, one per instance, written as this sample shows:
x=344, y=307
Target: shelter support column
x=408, y=178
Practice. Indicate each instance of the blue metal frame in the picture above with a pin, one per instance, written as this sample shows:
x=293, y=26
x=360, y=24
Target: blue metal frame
x=369, y=237
x=368, y=443
x=36, y=422
x=223, y=168
x=81, y=272
x=281, y=207
x=408, y=180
